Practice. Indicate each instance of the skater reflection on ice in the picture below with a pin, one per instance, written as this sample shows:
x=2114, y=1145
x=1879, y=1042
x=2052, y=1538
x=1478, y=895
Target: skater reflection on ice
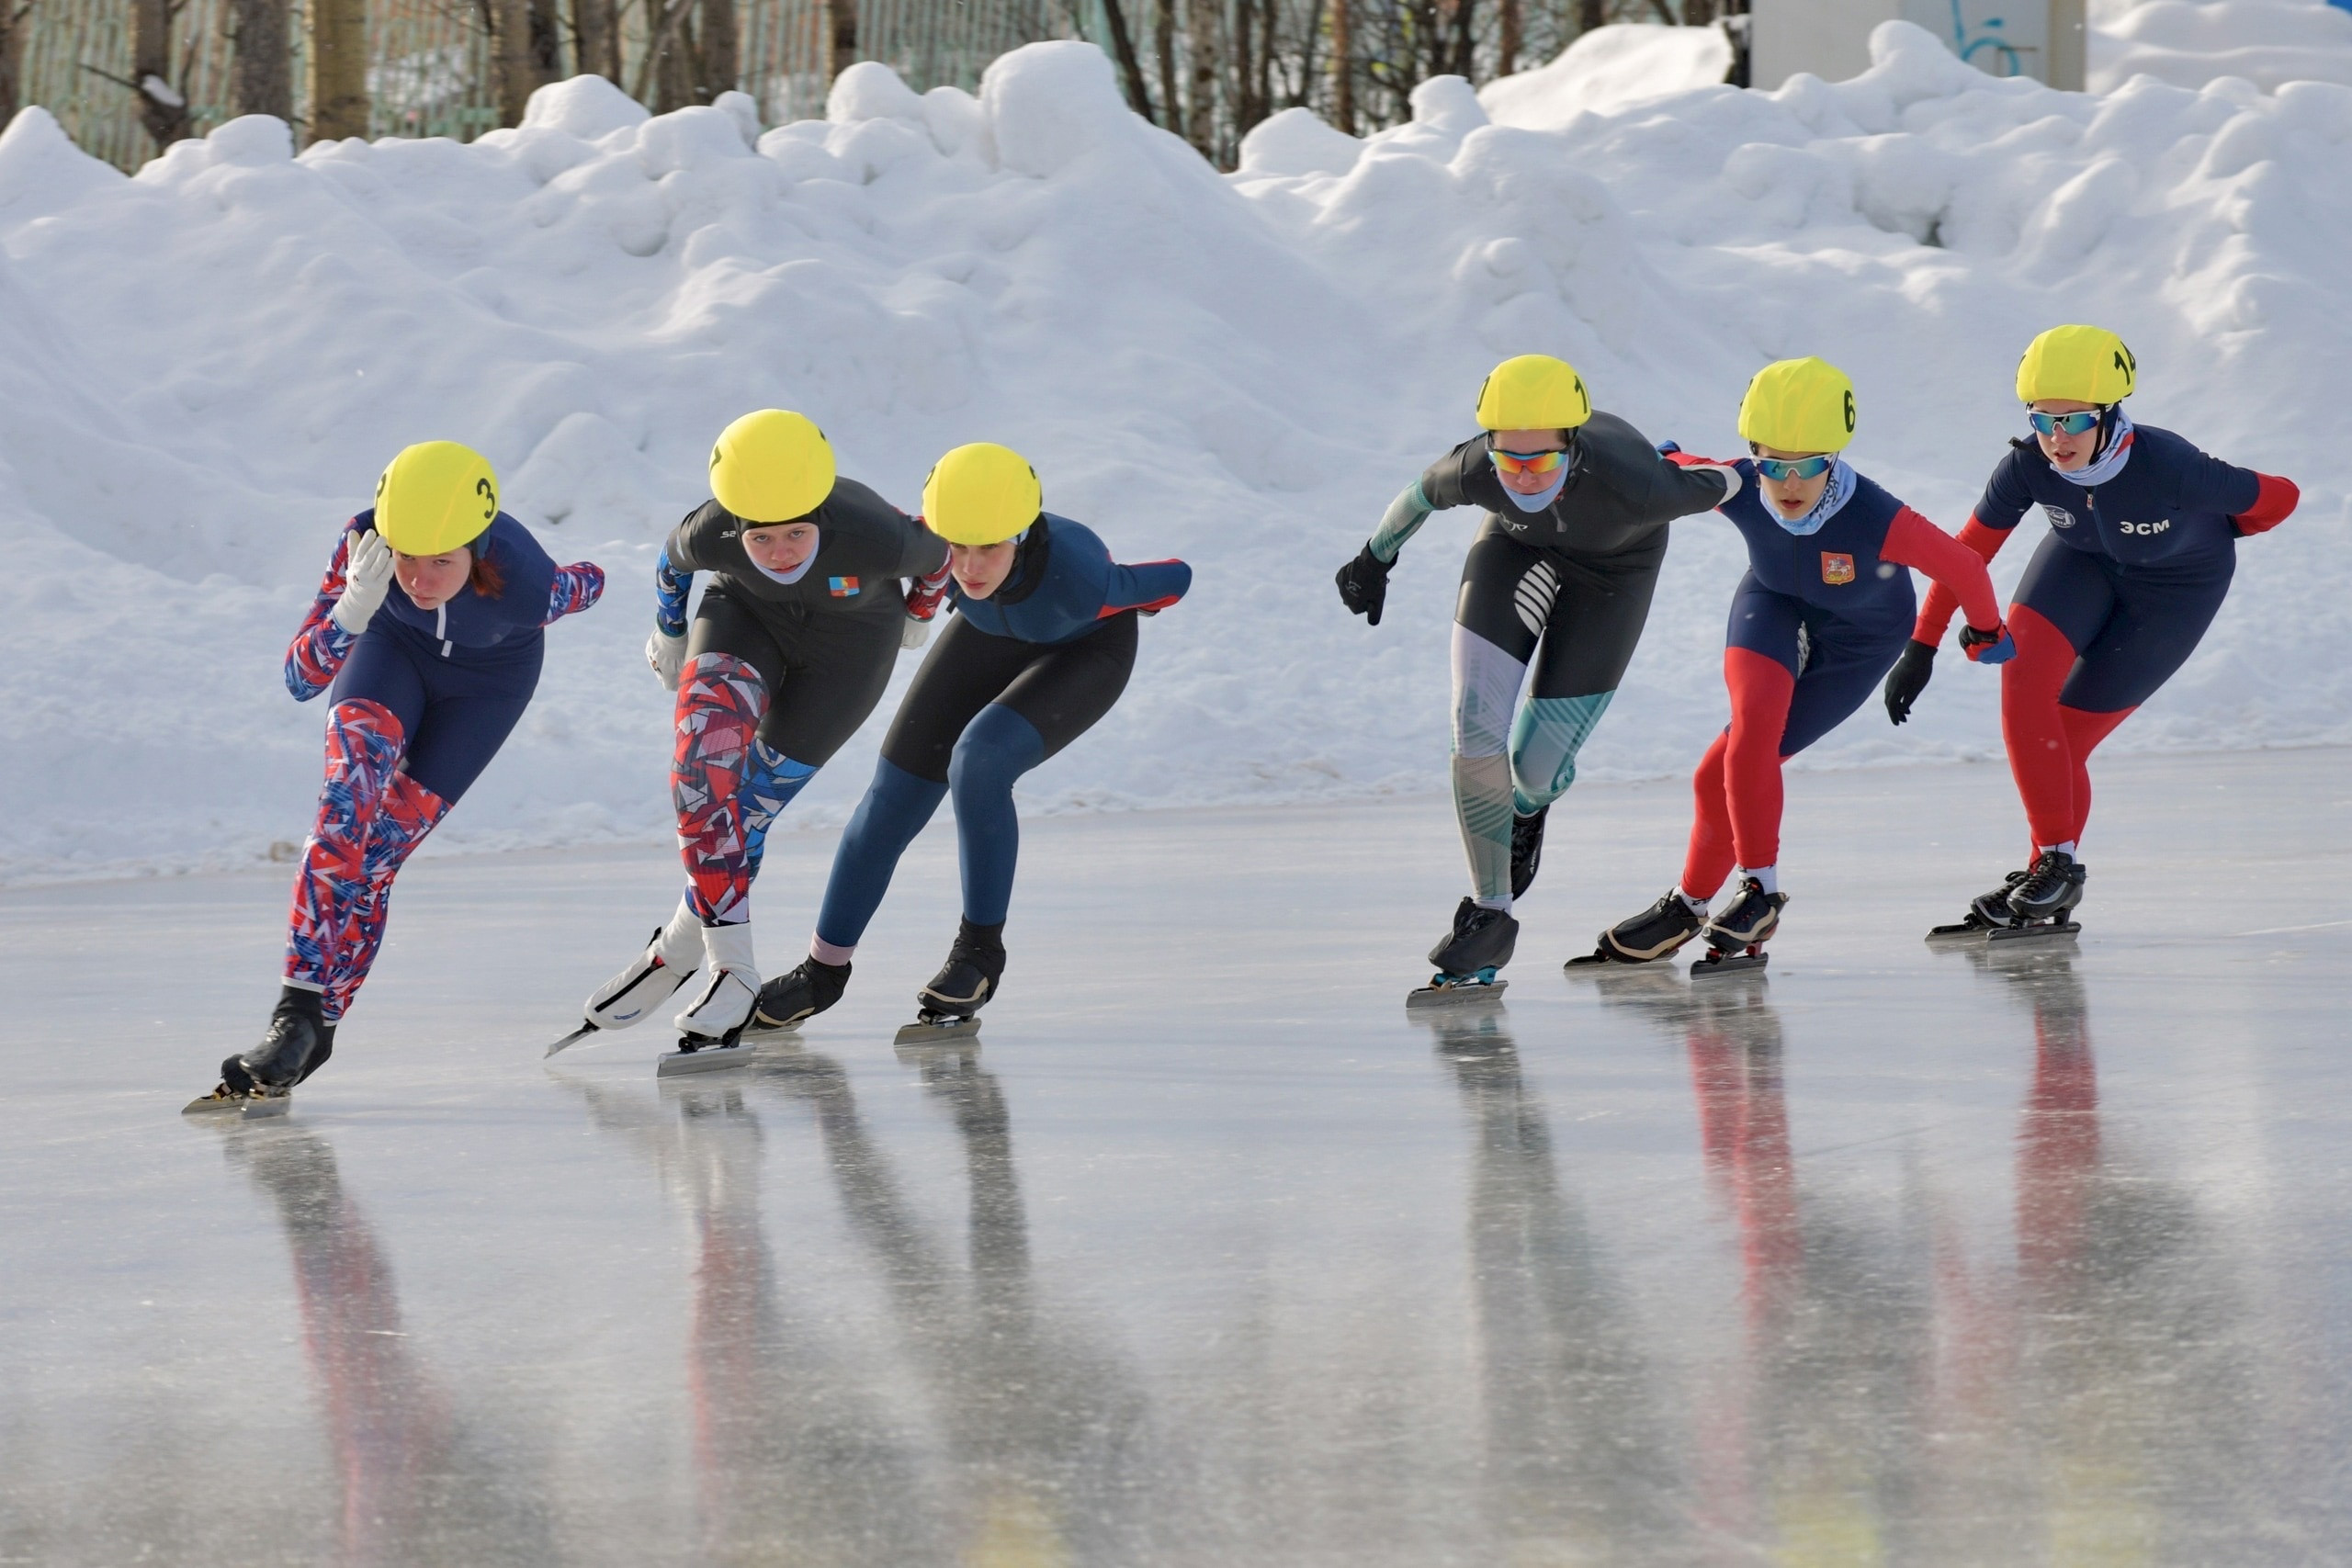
x=415, y=1487
x=1576, y=1444
x=800, y=1445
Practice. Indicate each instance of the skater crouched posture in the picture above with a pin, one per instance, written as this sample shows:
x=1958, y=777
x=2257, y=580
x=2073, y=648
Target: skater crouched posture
x=1042, y=645
x=1560, y=573
x=2143, y=531
x=428, y=626
x=1823, y=611
x=789, y=651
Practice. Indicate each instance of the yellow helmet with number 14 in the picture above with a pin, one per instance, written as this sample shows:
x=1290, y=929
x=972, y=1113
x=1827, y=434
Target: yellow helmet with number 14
x=2081, y=365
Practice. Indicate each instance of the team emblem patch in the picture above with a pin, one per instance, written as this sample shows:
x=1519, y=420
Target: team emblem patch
x=2059, y=516
x=844, y=587
x=1836, y=568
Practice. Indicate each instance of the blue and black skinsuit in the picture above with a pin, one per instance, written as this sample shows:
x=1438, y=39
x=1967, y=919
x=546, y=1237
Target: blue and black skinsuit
x=781, y=669
x=1016, y=677
x=1567, y=588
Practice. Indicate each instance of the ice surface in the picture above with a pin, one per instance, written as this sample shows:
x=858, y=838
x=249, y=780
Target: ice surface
x=1210, y=1253
x=202, y=368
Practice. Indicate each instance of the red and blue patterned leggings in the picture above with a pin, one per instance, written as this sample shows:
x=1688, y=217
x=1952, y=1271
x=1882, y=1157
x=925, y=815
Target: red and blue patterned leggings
x=725, y=783
x=371, y=816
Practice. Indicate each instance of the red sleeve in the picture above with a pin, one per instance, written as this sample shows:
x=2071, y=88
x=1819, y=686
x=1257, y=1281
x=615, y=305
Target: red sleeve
x=1945, y=597
x=2272, y=505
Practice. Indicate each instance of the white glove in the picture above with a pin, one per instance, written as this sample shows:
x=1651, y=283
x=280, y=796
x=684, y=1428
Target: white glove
x=914, y=634
x=367, y=577
x=667, y=654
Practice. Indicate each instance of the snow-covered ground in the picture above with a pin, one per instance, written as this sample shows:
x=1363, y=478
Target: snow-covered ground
x=203, y=367
x=1210, y=1252
x=2192, y=42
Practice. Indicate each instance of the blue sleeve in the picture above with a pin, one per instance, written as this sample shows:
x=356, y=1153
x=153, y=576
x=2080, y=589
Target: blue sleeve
x=2208, y=484
x=1149, y=585
x=2006, y=496
x=670, y=586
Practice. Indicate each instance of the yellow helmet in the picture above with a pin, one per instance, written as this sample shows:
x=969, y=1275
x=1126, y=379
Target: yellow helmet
x=772, y=465
x=981, y=494
x=1534, y=391
x=1799, y=405
x=2084, y=365
x=434, y=497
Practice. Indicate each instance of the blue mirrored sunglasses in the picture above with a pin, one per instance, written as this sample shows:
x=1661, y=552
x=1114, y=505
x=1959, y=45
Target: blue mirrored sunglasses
x=1793, y=467
x=2072, y=424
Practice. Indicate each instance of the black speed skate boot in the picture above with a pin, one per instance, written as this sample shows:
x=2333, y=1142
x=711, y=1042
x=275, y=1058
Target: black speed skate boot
x=1738, y=932
x=789, y=1001
x=951, y=1003
x=1986, y=912
x=2050, y=891
x=297, y=1044
x=1526, y=850
x=1481, y=942
x=1656, y=932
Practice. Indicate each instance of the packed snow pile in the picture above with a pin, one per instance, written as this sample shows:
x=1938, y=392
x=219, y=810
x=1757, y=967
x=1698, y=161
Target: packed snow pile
x=1607, y=69
x=203, y=367
x=2191, y=42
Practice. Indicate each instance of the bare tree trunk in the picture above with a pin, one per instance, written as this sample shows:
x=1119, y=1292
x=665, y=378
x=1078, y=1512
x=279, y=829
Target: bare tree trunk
x=1163, y=42
x=595, y=24
x=508, y=22
x=545, y=48
x=1243, y=90
x=1507, y=54
x=720, y=56
x=338, y=69
x=161, y=107
x=13, y=17
x=842, y=49
x=1698, y=13
x=261, y=78
x=674, y=75
x=1591, y=13
x=1343, y=69
x=1201, y=32
x=1464, y=45
x=1124, y=46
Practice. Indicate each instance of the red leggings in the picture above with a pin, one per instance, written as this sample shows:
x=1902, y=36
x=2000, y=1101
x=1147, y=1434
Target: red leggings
x=1737, y=786
x=2050, y=744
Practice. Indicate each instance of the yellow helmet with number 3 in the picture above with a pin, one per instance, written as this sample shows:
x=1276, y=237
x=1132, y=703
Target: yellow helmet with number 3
x=434, y=497
x=2080, y=364
x=1534, y=391
x=772, y=465
x=1799, y=405
x=981, y=494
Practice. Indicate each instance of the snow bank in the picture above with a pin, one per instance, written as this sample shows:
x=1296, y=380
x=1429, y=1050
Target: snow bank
x=2192, y=42
x=203, y=366
x=1607, y=69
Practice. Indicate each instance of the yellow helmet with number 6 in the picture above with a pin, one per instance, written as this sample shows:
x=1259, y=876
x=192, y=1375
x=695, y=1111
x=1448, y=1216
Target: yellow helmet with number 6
x=772, y=465
x=981, y=494
x=1534, y=391
x=2082, y=365
x=1799, y=405
x=434, y=497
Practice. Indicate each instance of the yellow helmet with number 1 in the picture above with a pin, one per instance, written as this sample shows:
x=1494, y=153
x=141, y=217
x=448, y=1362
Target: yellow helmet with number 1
x=1799, y=405
x=1534, y=391
x=2081, y=365
x=772, y=465
x=434, y=497
x=981, y=494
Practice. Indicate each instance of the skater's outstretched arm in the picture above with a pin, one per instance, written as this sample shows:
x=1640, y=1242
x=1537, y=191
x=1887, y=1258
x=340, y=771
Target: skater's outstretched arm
x=357, y=578
x=1957, y=570
x=577, y=587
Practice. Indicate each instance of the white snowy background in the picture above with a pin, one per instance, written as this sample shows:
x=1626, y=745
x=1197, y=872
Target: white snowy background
x=202, y=368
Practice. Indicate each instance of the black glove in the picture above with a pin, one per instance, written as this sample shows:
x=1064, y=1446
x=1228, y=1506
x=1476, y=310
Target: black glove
x=1908, y=679
x=1364, y=584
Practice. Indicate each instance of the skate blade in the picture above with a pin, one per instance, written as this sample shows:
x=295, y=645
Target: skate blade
x=711, y=1058
x=250, y=1107
x=2033, y=935
x=1463, y=993
x=755, y=1029
x=930, y=1031
x=569, y=1041
x=1741, y=964
x=1963, y=934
